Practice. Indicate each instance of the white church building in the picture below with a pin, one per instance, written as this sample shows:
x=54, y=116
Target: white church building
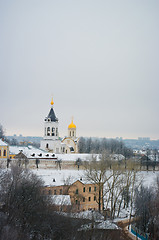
x=51, y=141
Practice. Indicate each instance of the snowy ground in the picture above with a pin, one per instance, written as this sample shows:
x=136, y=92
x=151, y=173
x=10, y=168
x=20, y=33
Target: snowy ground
x=61, y=176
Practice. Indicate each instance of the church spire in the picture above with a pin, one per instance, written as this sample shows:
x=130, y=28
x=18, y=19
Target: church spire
x=52, y=103
x=51, y=116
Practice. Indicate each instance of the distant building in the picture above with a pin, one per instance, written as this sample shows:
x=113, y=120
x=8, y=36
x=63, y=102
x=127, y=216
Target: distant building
x=51, y=141
x=144, y=138
x=4, y=150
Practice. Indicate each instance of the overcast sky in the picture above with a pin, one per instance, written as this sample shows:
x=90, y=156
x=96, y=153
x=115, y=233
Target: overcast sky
x=98, y=59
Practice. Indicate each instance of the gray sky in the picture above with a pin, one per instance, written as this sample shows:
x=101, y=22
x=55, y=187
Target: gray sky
x=99, y=60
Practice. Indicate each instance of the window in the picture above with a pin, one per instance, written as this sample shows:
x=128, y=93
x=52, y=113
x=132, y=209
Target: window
x=53, y=132
x=4, y=153
x=70, y=134
x=56, y=131
x=50, y=192
x=84, y=199
x=55, y=192
x=73, y=133
x=76, y=202
x=48, y=131
x=89, y=189
x=89, y=199
x=47, y=145
x=84, y=189
x=60, y=191
x=0, y=152
x=94, y=198
x=95, y=189
x=76, y=191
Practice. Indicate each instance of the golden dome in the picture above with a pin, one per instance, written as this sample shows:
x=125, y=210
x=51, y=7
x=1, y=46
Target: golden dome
x=52, y=103
x=72, y=125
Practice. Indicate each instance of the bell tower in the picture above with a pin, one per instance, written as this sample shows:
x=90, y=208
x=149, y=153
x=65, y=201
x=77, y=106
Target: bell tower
x=51, y=125
x=51, y=141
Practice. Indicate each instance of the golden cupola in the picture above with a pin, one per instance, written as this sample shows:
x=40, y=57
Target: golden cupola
x=72, y=125
x=72, y=130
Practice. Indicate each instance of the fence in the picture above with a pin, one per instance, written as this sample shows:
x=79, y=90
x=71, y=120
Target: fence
x=139, y=235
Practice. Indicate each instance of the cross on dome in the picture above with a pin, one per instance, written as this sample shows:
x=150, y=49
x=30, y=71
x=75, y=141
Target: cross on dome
x=52, y=103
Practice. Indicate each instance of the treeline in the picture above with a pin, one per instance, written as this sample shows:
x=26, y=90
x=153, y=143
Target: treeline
x=98, y=145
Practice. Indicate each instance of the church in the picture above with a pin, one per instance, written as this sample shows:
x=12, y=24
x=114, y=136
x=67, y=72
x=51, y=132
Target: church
x=51, y=141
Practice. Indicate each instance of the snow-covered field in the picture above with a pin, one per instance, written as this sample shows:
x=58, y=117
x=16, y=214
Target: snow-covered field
x=60, y=176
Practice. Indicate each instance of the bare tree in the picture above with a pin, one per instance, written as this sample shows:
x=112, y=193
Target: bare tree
x=96, y=172
x=114, y=188
x=78, y=163
x=37, y=161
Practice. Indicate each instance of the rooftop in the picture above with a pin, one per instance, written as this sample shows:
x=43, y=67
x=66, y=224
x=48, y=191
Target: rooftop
x=2, y=143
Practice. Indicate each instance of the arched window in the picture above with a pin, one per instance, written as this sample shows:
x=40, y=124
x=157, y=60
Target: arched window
x=73, y=133
x=48, y=131
x=53, y=131
x=70, y=133
x=4, y=153
x=47, y=145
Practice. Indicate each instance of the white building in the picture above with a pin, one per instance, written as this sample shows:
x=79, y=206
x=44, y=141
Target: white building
x=51, y=141
x=71, y=142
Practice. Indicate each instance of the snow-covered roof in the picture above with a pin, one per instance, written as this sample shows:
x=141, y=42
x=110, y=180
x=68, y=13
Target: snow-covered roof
x=152, y=157
x=86, y=156
x=107, y=225
x=62, y=177
x=31, y=152
x=103, y=225
x=61, y=200
x=117, y=157
x=88, y=215
x=75, y=156
x=2, y=143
